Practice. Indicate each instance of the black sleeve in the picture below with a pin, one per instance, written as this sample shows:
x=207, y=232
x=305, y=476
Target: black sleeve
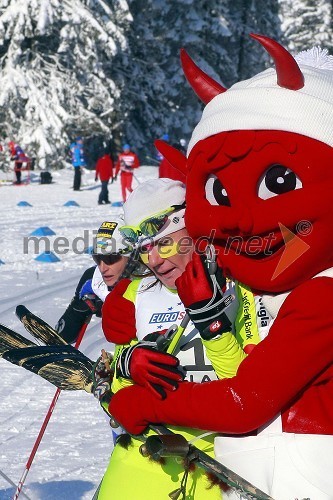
x=87, y=275
x=71, y=322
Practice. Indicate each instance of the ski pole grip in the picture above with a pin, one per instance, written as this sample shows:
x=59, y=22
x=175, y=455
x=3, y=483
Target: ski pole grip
x=21, y=311
x=171, y=445
x=177, y=337
x=211, y=260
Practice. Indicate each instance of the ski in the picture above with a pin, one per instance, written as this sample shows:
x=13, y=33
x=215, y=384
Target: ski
x=74, y=379
x=63, y=366
x=12, y=340
x=38, y=327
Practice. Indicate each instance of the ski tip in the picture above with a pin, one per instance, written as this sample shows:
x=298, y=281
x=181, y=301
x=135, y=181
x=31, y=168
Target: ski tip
x=21, y=311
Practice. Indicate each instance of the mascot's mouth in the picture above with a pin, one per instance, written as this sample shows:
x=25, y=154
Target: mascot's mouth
x=258, y=247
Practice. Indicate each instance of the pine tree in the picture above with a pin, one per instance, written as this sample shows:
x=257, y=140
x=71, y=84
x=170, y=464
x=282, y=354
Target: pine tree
x=253, y=16
x=306, y=23
x=159, y=100
x=214, y=33
x=55, y=56
x=109, y=70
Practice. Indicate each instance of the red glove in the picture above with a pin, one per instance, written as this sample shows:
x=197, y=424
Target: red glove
x=149, y=368
x=118, y=315
x=194, y=285
x=201, y=290
x=129, y=408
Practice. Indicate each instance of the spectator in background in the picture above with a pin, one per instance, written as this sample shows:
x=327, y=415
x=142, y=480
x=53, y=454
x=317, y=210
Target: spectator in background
x=18, y=156
x=78, y=161
x=127, y=162
x=104, y=171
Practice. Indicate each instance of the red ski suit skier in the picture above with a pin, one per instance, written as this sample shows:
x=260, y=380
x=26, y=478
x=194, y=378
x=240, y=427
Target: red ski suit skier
x=126, y=163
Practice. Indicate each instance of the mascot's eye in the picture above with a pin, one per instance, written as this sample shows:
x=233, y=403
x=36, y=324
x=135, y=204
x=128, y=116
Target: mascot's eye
x=278, y=180
x=215, y=192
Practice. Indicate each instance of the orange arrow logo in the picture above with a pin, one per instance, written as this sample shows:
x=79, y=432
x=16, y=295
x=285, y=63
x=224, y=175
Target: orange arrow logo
x=294, y=247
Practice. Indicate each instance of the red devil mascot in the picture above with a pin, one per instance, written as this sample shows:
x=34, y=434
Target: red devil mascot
x=260, y=174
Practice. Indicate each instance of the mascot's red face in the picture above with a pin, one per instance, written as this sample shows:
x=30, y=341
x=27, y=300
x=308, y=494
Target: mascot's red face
x=260, y=170
x=266, y=198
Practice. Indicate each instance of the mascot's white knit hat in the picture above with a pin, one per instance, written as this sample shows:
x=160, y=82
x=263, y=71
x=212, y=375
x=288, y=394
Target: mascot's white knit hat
x=153, y=197
x=261, y=104
x=109, y=240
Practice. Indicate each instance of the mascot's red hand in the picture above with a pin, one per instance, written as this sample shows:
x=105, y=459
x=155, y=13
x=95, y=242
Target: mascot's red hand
x=118, y=315
x=130, y=407
x=201, y=289
x=146, y=366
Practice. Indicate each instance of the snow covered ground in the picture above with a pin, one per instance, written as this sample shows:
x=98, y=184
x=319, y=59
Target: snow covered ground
x=76, y=447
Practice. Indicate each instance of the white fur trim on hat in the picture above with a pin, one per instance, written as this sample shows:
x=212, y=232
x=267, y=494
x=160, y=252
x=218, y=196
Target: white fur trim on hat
x=155, y=196
x=260, y=104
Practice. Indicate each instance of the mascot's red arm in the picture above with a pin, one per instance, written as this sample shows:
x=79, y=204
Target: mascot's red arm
x=270, y=380
x=118, y=315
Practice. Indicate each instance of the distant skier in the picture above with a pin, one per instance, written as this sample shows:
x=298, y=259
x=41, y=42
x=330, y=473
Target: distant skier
x=78, y=161
x=104, y=171
x=127, y=162
x=18, y=156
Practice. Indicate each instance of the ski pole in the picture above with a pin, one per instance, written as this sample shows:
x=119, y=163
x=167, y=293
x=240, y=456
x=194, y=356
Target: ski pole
x=137, y=180
x=211, y=267
x=12, y=483
x=157, y=162
x=179, y=332
x=168, y=444
x=46, y=420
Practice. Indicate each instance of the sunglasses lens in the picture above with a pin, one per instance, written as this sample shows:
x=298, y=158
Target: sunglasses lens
x=145, y=257
x=164, y=250
x=129, y=234
x=151, y=226
x=144, y=252
x=107, y=259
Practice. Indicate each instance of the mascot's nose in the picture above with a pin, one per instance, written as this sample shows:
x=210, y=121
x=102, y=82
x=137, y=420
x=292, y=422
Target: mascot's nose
x=231, y=221
x=237, y=220
x=245, y=221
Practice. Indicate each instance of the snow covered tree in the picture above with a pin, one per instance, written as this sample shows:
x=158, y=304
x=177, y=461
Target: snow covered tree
x=109, y=70
x=158, y=98
x=252, y=16
x=55, y=58
x=214, y=33
x=306, y=23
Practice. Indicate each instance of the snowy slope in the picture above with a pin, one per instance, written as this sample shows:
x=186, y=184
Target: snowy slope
x=76, y=446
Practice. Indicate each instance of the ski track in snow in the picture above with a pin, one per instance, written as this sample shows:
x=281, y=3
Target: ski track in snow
x=77, y=444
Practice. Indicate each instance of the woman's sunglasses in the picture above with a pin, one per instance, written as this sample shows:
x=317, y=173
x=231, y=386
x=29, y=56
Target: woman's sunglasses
x=165, y=250
x=150, y=226
x=108, y=259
